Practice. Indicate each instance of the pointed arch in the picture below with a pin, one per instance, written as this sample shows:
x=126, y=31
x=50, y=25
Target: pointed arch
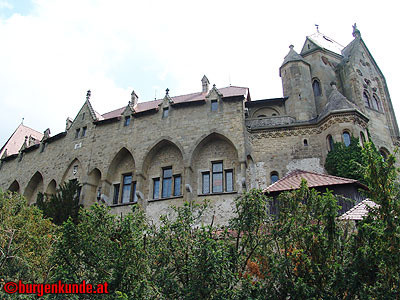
x=51, y=187
x=122, y=161
x=74, y=171
x=316, y=86
x=14, y=187
x=35, y=185
x=93, y=187
x=163, y=168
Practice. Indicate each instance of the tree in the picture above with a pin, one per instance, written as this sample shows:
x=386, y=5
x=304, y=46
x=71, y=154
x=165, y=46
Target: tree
x=345, y=161
x=63, y=204
x=26, y=240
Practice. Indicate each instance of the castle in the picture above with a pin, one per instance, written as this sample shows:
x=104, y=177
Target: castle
x=216, y=143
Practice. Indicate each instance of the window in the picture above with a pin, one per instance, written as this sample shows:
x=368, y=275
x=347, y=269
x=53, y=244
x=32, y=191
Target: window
x=330, y=142
x=77, y=133
x=384, y=153
x=126, y=188
x=205, y=182
x=229, y=180
x=316, y=88
x=156, y=188
x=346, y=138
x=217, y=186
x=376, y=103
x=177, y=185
x=127, y=121
x=83, y=116
x=305, y=142
x=167, y=182
x=362, y=139
x=165, y=112
x=84, y=129
x=214, y=105
x=116, y=193
x=366, y=99
x=274, y=177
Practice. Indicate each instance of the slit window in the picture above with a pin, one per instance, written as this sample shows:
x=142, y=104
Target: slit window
x=77, y=133
x=316, y=88
x=127, y=121
x=346, y=138
x=330, y=143
x=84, y=129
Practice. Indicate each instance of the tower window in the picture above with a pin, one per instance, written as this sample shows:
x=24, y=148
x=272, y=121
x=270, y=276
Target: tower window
x=316, y=88
x=305, y=142
x=346, y=138
x=127, y=121
x=330, y=142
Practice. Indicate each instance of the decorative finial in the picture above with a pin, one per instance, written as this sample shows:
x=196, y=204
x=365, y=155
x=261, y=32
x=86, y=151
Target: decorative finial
x=356, y=32
x=22, y=122
x=167, y=91
x=88, y=94
x=291, y=47
x=333, y=85
x=317, y=26
x=214, y=86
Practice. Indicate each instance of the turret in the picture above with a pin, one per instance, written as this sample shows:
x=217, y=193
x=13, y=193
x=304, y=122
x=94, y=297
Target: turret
x=296, y=81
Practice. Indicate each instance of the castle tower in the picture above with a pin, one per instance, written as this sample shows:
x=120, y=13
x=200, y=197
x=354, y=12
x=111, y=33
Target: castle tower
x=296, y=81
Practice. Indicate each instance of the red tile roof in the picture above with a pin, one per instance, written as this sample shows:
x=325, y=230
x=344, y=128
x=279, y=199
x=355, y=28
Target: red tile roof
x=15, y=142
x=229, y=91
x=292, y=181
x=359, y=211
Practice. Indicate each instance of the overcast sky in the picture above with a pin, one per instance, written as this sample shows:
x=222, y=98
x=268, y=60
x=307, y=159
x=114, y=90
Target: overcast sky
x=53, y=51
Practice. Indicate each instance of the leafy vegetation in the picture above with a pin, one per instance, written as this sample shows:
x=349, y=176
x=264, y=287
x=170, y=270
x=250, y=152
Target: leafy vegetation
x=302, y=252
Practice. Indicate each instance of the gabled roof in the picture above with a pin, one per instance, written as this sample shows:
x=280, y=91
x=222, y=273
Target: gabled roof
x=292, y=181
x=230, y=91
x=359, y=211
x=17, y=139
x=323, y=42
x=336, y=103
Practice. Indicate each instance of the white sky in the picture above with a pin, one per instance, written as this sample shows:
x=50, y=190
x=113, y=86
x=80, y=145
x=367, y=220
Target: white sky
x=53, y=51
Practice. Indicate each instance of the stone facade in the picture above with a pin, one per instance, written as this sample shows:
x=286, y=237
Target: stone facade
x=216, y=143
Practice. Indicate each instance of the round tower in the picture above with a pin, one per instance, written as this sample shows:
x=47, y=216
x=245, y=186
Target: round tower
x=296, y=81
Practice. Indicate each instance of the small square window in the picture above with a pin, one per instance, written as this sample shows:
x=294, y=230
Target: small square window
x=165, y=112
x=127, y=121
x=84, y=129
x=214, y=105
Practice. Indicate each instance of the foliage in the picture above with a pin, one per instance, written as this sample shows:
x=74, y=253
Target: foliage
x=345, y=161
x=26, y=240
x=376, y=246
x=63, y=204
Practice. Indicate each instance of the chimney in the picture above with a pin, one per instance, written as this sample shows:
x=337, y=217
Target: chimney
x=205, y=83
x=134, y=99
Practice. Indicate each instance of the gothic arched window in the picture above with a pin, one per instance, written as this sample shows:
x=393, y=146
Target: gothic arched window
x=316, y=88
x=362, y=138
x=384, y=152
x=346, y=138
x=376, y=103
x=366, y=99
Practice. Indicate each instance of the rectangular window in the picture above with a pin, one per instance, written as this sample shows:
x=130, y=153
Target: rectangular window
x=116, y=193
x=214, y=105
x=217, y=186
x=156, y=188
x=134, y=192
x=229, y=180
x=127, y=121
x=167, y=183
x=177, y=185
x=205, y=182
x=165, y=112
x=84, y=131
x=126, y=189
x=77, y=133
